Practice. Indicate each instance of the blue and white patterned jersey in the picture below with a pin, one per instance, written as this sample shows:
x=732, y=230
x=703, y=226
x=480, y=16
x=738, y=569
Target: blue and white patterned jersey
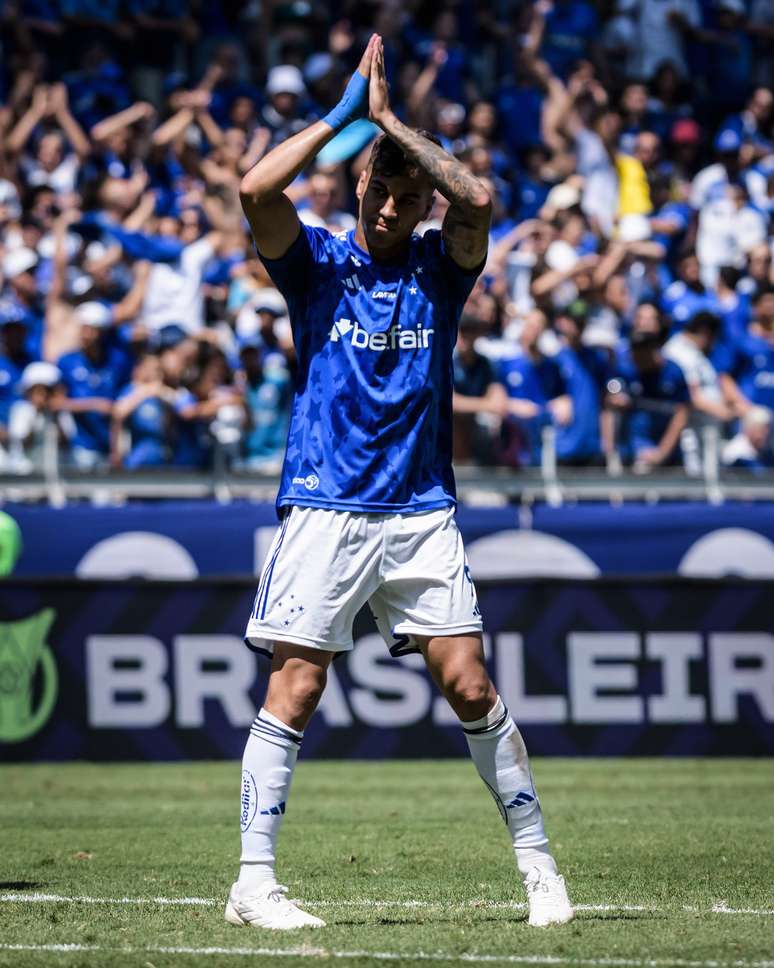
x=371, y=425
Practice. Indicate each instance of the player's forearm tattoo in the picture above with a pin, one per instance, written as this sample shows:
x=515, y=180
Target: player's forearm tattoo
x=452, y=179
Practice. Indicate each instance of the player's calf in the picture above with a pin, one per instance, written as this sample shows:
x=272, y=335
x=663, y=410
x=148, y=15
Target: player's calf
x=500, y=756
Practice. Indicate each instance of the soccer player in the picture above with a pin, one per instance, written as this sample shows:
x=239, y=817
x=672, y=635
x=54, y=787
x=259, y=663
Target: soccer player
x=367, y=492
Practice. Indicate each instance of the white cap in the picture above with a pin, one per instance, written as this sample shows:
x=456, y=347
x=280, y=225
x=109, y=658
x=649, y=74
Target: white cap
x=285, y=79
x=563, y=196
x=40, y=375
x=18, y=261
x=269, y=299
x=94, y=314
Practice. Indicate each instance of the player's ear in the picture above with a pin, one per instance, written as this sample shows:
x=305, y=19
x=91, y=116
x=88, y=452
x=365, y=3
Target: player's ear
x=361, y=184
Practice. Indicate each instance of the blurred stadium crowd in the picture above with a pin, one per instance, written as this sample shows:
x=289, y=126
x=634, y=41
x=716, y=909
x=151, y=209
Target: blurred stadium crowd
x=628, y=298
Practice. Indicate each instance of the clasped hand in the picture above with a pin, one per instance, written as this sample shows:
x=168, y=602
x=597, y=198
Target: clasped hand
x=366, y=94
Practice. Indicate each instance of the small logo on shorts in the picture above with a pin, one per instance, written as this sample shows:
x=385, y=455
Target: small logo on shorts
x=311, y=482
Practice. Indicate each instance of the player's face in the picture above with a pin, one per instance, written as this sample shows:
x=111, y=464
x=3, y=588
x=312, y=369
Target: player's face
x=391, y=207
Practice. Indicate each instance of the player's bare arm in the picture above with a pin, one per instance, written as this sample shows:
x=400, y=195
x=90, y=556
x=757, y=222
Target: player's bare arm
x=272, y=216
x=466, y=225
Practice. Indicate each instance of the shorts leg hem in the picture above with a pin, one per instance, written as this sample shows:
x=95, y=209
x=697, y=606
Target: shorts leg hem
x=405, y=628
x=263, y=642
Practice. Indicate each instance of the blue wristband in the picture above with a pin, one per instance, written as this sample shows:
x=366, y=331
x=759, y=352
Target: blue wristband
x=353, y=103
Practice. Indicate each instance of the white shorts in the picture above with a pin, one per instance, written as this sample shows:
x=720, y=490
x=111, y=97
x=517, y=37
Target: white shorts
x=323, y=566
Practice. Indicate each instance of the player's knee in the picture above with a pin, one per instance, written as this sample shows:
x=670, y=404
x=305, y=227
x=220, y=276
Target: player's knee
x=305, y=692
x=295, y=691
x=469, y=692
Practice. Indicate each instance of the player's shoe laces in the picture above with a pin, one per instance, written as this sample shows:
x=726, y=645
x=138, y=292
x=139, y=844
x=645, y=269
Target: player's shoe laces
x=548, y=901
x=267, y=907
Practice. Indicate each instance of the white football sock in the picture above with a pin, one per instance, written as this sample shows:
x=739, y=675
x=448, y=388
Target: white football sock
x=267, y=769
x=501, y=759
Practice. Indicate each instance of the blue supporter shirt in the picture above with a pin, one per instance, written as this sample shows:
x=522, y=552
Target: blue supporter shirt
x=10, y=374
x=586, y=371
x=681, y=303
x=752, y=366
x=371, y=422
x=654, y=395
x=571, y=27
x=83, y=378
x=149, y=426
x=538, y=380
x=267, y=401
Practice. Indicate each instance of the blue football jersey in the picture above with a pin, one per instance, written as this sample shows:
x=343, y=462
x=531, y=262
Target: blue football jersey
x=371, y=422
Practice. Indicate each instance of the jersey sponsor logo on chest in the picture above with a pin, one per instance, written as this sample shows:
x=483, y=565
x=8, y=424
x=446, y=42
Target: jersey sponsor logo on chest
x=394, y=338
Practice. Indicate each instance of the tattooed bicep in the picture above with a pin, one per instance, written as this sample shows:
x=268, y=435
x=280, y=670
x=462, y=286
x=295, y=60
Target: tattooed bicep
x=465, y=237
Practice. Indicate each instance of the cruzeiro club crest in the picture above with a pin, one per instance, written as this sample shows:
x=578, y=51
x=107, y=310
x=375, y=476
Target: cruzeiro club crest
x=28, y=677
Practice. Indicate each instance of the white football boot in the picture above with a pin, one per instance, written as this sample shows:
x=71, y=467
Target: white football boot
x=267, y=907
x=548, y=901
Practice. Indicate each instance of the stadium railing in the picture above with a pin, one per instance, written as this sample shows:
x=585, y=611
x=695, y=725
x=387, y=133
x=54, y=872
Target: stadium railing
x=53, y=481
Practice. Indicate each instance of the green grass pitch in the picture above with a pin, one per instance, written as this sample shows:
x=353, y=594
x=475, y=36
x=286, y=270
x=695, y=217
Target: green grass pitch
x=672, y=862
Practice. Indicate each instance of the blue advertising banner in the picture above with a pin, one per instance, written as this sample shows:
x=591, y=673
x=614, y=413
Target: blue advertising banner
x=158, y=671
x=189, y=539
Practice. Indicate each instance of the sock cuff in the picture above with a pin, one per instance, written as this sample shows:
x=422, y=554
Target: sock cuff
x=493, y=720
x=266, y=723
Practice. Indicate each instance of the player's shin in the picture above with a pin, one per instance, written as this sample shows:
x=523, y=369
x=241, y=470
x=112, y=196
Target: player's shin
x=500, y=757
x=267, y=770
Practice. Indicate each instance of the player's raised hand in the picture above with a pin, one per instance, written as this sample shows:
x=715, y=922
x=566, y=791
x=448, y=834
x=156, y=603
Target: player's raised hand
x=378, y=94
x=354, y=101
x=364, y=67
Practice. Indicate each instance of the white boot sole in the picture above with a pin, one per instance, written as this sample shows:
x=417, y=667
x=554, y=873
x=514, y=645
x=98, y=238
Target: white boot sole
x=561, y=918
x=232, y=916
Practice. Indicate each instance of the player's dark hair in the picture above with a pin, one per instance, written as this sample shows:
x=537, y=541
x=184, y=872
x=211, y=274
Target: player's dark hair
x=389, y=159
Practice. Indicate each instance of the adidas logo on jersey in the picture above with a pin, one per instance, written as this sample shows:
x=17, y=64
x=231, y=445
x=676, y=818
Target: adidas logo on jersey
x=391, y=339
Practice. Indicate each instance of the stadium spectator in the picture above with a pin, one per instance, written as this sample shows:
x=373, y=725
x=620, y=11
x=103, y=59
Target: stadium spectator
x=265, y=383
x=660, y=34
x=31, y=416
x=323, y=211
x=210, y=398
x=751, y=447
x=586, y=373
x=92, y=377
x=536, y=388
x=480, y=401
x=715, y=398
x=145, y=408
x=650, y=398
x=51, y=165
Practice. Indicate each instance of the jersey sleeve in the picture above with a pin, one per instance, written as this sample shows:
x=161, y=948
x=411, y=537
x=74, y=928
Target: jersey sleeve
x=458, y=281
x=293, y=272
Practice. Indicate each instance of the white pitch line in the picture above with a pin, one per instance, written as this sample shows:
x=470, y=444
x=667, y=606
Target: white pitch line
x=399, y=956
x=38, y=898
